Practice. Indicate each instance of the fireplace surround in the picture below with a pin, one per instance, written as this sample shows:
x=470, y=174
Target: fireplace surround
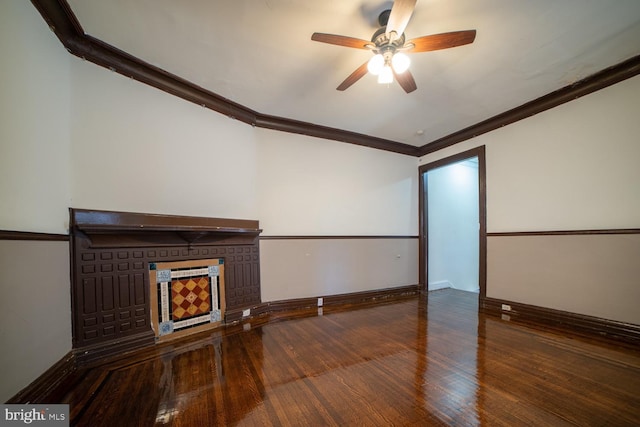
x=113, y=253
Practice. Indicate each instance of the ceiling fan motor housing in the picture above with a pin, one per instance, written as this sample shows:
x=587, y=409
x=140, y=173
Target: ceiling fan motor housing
x=383, y=43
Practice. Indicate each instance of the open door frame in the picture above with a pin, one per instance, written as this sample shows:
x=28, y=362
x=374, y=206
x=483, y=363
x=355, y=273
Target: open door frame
x=423, y=246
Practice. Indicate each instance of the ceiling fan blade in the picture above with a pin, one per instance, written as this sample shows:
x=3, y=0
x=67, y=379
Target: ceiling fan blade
x=341, y=40
x=354, y=77
x=406, y=81
x=441, y=41
x=400, y=15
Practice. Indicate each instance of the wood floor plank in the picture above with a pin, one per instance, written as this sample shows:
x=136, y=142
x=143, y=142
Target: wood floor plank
x=404, y=363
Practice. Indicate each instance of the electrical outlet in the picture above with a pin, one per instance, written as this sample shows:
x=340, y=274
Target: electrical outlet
x=506, y=317
x=320, y=302
x=246, y=327
x=506, y=307
x=246, y=313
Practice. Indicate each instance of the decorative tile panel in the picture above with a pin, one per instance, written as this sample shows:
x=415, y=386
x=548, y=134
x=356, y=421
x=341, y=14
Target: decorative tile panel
x=186, y=294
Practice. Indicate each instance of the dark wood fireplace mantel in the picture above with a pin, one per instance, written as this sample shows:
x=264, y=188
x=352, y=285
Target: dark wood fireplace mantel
x=126, y=229
x=111, y=253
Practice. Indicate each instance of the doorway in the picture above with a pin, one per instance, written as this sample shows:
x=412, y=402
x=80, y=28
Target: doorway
x=453, y=223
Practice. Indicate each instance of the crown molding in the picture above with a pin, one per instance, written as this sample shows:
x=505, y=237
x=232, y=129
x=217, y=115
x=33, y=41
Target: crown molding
x=600, y=80
x=65, y=25
x=63, y=22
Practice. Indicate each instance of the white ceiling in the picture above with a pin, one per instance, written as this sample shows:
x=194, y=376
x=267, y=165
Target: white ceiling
x=259, y=53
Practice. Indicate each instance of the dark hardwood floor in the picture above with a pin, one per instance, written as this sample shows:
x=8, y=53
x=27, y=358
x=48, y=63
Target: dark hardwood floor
x=404, y=362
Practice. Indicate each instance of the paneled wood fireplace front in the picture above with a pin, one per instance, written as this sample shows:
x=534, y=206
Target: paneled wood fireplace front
x=113, y=253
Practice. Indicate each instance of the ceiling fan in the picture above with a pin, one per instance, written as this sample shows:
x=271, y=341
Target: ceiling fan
x=389, y=46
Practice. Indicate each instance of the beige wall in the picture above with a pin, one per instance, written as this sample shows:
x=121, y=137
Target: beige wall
x=34, y=123
x=298, y=268
x=569, y=168
x=135, y=148
x=309, y=186
x=35, y=319
x=596, y=275
x=35, y=311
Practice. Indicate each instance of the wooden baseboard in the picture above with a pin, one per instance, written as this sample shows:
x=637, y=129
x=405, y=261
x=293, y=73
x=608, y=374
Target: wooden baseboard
x=237, y=315
x=102, y=351
x=45, y=384
x=327, y=300
x=589, y=326
x=371, y=296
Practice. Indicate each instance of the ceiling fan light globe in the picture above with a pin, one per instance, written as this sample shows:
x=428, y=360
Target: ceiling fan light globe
x=376, y=64
x=400, y=62
x=386, y=75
